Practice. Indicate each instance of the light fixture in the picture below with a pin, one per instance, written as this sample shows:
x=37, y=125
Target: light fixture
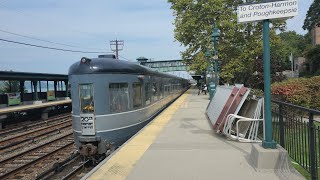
x=85, y=60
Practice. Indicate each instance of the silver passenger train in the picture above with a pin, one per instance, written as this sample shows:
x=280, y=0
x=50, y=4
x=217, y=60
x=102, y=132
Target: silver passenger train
x=113, y=99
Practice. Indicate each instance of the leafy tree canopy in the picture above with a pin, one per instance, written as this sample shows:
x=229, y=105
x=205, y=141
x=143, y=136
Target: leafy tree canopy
x=313, y=16
x=239, y=44
x=313, y=56
x=295, y=43
x=290, y=42
x=10, y=86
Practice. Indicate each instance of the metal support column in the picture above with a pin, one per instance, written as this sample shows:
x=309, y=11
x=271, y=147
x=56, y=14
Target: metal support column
x=281, y=126
x=267, y=142
x=66, y=84
x=55, y=88
x=215, y=68
x=35, y=95
x=21, y=90
x=312, y=148
x=214, y=38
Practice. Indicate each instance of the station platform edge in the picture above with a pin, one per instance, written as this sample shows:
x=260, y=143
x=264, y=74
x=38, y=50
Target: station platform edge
x=180, y=144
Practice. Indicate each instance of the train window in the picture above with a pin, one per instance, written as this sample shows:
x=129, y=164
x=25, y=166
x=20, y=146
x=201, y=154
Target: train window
x=137, y=95
x=119, y=97
x=160, y=88
x=147, y=90
x=86, y=98
x=166, y=90
x=154, y=92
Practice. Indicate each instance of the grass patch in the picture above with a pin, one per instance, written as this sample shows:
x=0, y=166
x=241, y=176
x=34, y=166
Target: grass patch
x=301, y=170
x=296, y=142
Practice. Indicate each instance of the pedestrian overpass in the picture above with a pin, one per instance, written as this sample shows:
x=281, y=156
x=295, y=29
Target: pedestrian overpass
x=168, y=66
x=165, y=65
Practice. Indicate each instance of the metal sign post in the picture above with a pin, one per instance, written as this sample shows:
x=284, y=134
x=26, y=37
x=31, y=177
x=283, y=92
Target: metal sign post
x=267, y=142
x=265, y=11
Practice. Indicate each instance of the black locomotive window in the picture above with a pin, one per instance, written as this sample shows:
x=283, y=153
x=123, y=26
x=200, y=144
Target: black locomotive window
x=137, y=95
x=119, y=97
x=86, y=98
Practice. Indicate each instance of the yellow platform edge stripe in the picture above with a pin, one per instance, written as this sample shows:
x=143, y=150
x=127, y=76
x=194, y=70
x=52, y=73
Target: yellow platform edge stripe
x=122, y=162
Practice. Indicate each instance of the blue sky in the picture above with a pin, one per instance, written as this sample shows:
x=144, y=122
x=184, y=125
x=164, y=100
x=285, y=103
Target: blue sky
x=145, y=26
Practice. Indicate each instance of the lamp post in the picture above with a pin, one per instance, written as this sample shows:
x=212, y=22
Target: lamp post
x=214, y=39
x=209, y=70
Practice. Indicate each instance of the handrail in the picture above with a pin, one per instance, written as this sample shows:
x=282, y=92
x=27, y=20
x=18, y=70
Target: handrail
x=313, y=111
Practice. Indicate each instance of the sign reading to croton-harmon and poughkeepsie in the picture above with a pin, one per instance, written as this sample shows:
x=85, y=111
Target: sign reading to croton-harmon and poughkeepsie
x=270, y=10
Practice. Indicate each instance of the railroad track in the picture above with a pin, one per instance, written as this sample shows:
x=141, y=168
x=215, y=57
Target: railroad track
x=22, y=139
x=77, y=170
x=27, y=126
x=71, y=168
x=28, y=164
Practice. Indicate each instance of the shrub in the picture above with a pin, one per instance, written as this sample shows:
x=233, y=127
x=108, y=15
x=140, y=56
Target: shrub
x=299, y=91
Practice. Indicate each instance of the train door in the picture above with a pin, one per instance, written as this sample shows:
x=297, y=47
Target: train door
x=87, y=117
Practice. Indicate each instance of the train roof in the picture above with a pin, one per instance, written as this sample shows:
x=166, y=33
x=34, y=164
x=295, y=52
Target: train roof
x=111, y=66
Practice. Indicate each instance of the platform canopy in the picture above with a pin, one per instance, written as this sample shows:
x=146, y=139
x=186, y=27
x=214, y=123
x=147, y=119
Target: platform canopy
x=11, y=75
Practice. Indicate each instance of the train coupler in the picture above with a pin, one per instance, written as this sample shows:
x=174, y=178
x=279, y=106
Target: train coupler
x=88, y=150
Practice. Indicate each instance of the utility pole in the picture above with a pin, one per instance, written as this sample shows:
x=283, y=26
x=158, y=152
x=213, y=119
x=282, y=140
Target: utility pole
x=292, y=65
x=116, y=46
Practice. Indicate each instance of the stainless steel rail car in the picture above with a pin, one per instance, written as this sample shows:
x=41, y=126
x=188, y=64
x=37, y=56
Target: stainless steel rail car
x=113, y=99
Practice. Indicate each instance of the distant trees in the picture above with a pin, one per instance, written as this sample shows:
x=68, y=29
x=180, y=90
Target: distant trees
x=199, y=63
x=10, y=86
x=239, y=44
x=312, y=53
x=313, y=56
x=295, y=43
x=313, y=16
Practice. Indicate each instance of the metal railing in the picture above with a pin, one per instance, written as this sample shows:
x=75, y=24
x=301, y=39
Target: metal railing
x=296, y=130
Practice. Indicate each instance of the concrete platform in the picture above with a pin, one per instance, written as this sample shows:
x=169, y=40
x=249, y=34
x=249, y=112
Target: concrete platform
x=36, y=105
x=180, y=144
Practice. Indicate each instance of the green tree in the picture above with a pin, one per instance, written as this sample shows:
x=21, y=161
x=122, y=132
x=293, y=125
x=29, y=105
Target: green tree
x=287, y=43
x=256, y=81
x=10, y=86
x=199, y=63
x=313, y=56
x=313, y=16
x=294, y=43
x=239, y=44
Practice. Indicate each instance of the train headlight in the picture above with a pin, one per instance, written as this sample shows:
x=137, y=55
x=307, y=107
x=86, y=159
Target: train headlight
x=85, y=60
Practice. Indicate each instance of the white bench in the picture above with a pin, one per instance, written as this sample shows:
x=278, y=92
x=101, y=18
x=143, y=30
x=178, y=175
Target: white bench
x=244, y=129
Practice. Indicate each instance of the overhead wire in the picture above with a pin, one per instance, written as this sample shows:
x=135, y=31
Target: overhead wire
x=125, y=58
x=38, y=39
x=47, y=47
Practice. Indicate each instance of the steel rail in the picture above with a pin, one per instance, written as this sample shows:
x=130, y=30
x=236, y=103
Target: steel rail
x=9, y=173
x=26, y=125
x=32, y=139
x=40, y=130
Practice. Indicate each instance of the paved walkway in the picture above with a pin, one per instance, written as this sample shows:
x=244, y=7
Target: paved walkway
x=184, y=147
